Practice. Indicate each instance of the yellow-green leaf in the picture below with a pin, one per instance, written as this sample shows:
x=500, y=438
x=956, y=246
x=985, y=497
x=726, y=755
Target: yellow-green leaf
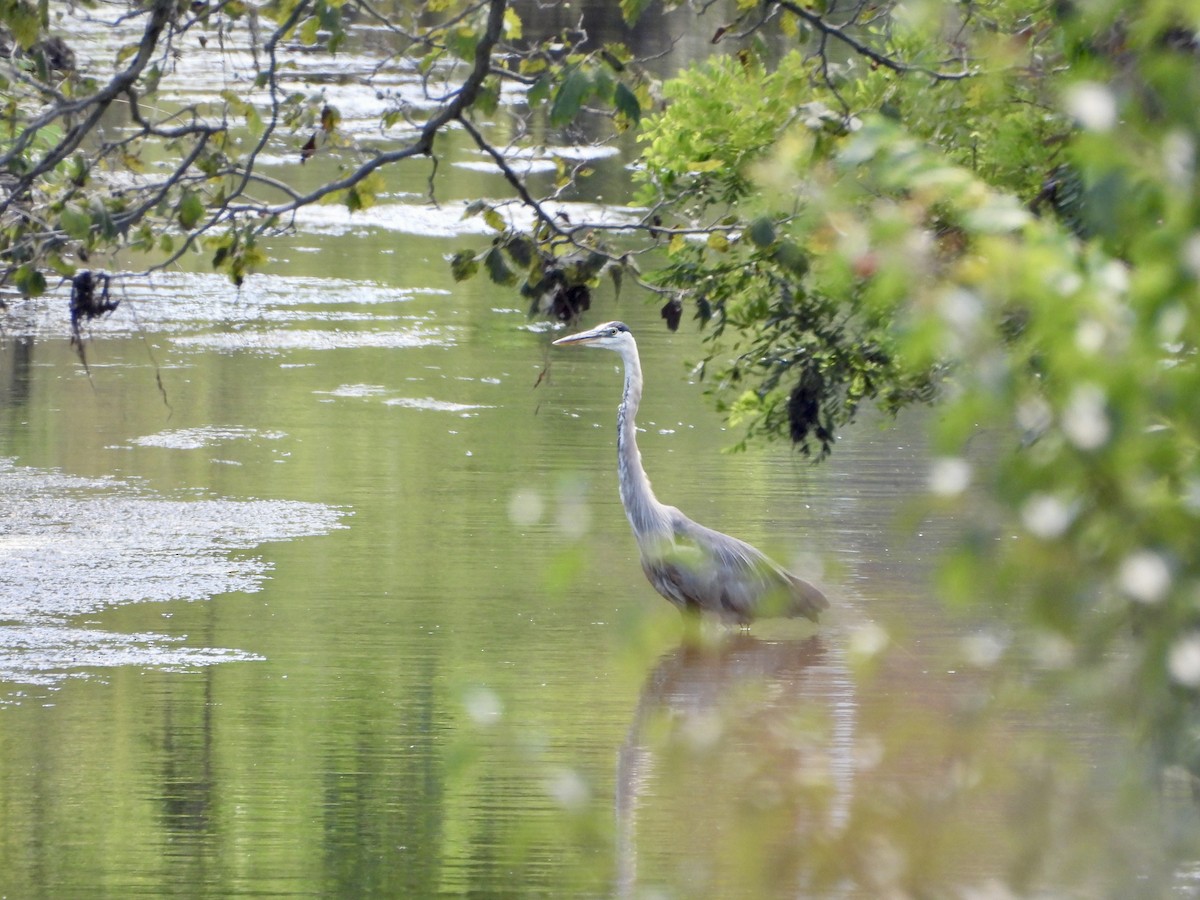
x=632, y=10
x=309, y=30
x=494, y=220
x=512, y=24
x=717, y=241
x=22, y=20
x=126, y=53
x=532, y=66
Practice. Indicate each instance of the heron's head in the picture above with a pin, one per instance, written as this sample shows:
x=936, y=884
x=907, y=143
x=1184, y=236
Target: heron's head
x=609, y=336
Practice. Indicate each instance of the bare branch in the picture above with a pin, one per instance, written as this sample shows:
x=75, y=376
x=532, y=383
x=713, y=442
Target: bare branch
x=828, y=29
x=458, y=102
x=513, y=178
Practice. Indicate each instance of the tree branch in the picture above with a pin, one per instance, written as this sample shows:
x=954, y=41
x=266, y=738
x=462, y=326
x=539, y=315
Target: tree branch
x=458, y=102
x=97, y=105
x=830, y=30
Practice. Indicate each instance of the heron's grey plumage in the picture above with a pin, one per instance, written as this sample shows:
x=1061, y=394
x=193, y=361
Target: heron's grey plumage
x=696, y=568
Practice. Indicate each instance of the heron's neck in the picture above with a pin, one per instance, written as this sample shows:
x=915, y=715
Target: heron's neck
x=641, y=506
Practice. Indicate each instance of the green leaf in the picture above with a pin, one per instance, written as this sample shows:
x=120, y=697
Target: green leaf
x=626, y=102
x=463, y=265
x=539, y=92
x=30, y=282
x=791, y=256
x=497, y=268
x=520, y=251
x=462, y=42
x=364, y=194
x=487, y=101
x=308, y=31
x=190, y=209
x=254, y=121
x=356, y=200
x=102, y=218
x=78, y=170
x=632, y=10
x=60, y=265
x=569, y=98
x=126, y=53
x=75, y=222
x=236, y=103
x=602, y=83
x=583, y=269
x=532, y=65
x=761, y=232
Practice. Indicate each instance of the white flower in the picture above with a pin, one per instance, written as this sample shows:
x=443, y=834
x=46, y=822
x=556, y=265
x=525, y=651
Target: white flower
x=1183, y=660
x=1144, y=576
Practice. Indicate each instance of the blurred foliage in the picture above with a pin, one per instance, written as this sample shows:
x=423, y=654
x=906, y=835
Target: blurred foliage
x=1002, y=213
x=1032, y=237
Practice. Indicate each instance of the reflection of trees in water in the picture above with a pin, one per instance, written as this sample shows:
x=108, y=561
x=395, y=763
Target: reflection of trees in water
x=744, y=728
x=602, y=23
x=16, y=358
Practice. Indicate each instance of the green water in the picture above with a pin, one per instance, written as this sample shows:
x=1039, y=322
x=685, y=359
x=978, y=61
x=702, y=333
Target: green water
x=434, y=679
x=322, y=588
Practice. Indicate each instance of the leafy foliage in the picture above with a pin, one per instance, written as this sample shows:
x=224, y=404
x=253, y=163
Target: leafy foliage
x=815, y=340
x=1076, y=360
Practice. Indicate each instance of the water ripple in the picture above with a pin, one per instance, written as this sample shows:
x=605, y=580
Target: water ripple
x=72, y=546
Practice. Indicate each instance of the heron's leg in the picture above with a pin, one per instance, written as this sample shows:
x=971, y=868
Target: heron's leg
x=693, y=634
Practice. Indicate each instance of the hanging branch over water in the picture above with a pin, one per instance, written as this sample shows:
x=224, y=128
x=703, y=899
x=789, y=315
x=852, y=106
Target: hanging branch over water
x=97, y=163
x=71, y=191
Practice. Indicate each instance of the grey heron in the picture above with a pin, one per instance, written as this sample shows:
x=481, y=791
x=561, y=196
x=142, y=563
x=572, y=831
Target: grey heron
x=699, y=570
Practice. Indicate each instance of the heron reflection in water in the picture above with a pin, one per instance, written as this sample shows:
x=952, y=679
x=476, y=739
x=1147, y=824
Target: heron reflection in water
x=745, y=713
x=698, y=569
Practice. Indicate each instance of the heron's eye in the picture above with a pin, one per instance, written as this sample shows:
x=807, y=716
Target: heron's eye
x=612, y=332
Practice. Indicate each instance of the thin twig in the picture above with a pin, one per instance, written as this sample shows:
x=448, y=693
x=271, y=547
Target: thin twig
x=865, y=50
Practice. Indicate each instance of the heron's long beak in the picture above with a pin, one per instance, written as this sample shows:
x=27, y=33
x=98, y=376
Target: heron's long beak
x=581, y=337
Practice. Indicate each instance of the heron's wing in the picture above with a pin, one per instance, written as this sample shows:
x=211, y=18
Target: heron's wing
x=721, y=574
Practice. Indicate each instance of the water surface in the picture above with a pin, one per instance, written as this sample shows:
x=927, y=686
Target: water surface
x=354, y=609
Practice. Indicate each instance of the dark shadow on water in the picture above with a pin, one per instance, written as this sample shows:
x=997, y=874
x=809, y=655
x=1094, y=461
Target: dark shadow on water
x=720, y=695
